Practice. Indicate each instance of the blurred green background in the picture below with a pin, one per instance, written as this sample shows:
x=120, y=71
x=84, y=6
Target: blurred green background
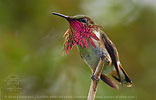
x=31, y=47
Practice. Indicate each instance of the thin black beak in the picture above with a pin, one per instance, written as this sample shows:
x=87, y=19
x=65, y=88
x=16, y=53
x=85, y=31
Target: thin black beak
x=61, y=15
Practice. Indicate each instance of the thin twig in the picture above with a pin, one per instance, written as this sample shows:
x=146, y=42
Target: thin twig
x=95, y=80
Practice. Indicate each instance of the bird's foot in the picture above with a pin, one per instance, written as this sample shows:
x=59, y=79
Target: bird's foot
x=102, y=57
x=106, y=58
x=107, y=61
x=93, y=77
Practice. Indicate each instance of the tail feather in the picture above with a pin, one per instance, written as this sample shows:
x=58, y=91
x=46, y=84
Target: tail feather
x=124, y=77
x=109, y=82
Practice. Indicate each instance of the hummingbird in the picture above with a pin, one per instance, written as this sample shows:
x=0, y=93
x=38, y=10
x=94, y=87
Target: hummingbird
x=93, y=44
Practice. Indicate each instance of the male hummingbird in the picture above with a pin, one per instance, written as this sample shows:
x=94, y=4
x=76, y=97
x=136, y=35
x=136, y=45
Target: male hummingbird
x=93, y=44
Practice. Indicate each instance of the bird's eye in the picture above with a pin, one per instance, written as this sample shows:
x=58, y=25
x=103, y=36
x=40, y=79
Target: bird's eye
x=84, y=20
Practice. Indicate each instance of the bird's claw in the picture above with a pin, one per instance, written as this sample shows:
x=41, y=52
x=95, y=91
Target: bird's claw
x=107, y=60
x=93, y=77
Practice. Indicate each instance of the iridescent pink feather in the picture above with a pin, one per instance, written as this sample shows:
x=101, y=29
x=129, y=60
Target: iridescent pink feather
x=79, y=33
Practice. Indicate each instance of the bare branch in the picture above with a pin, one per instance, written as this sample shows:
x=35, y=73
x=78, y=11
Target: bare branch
x=95, y=79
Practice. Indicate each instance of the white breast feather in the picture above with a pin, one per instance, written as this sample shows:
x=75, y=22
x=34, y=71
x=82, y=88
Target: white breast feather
x=97, y=33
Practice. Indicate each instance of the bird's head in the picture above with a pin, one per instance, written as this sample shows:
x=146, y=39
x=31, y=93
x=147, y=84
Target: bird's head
x=79, y=32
